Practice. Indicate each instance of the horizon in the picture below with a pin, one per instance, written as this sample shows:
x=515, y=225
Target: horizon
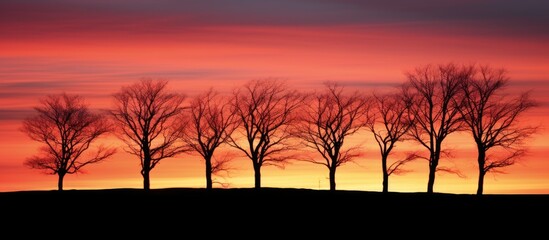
x=275, y=189
x=93, y=48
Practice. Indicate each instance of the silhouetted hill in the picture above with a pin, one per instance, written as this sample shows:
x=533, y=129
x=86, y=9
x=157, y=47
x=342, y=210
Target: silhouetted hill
x=273, y=211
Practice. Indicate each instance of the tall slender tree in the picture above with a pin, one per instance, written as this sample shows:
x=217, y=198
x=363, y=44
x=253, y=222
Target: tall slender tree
x=265, y=109
x=146, y=112
x=68, y=129
x=390, y=124
x=327, y=120
x=210, y=123
x=493, y=119
x=434, y=92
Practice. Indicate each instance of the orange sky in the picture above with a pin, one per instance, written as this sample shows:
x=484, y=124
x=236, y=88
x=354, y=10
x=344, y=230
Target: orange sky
x=95, y=47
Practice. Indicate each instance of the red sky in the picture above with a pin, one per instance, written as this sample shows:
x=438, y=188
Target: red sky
x=95, y=47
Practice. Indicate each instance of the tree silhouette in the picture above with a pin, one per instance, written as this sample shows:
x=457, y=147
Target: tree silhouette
x=390, y=124
x=265, y=111
x=434, y=94
x=325, y=123
x=210, y=123
x=68, y=128
x=492, y=117
x=146, y=113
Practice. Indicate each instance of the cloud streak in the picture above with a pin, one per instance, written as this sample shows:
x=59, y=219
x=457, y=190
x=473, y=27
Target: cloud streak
x=15, y=114
x=80, y=19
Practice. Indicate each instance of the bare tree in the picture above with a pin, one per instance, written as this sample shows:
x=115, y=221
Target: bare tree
x=265, y=111
x=68, y=128
x=211, y=121
x=327, y=121
x=390, y=124
x=146, y=113
x=434, y=93
x=492, y=117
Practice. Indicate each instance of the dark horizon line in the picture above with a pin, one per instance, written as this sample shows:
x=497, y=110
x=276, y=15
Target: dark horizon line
x=265, y=189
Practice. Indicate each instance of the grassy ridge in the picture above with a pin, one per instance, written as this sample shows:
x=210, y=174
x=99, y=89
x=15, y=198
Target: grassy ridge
x=299, y=211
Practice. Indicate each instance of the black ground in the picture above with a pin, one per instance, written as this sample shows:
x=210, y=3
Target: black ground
x=271, y=213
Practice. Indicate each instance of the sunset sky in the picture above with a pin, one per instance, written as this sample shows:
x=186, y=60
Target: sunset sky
x=93, y=48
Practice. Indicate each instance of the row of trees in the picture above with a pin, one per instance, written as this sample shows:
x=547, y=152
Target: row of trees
x=271, y=124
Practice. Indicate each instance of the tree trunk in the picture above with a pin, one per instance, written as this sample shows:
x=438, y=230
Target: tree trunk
x=257, y=175
x=481, y=172
x=332, y=178
x=209, y=182
x=385, y=174
x=433, y=163
x=431, y=182
x=60, y=181
x=145, y=172
x=146, y=180
x=480, y=188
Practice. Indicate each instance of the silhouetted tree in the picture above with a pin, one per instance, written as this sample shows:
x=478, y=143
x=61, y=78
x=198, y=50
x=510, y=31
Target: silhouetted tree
x=145, y=113
x=492, y=117
x=68, y=128
x=327, y=120
x=265, y=111
x=434, y=94
x=210, y=123
x=390, y=124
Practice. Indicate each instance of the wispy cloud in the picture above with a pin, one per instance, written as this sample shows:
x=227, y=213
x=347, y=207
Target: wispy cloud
x=15, y=114
x=33, y=77
x=70, y=19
